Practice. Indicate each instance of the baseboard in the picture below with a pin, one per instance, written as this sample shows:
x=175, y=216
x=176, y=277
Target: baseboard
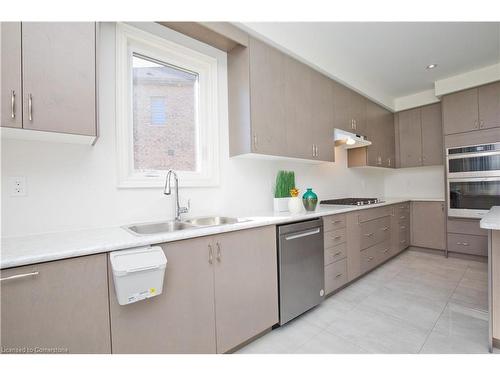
x=496, y=343
x=477, y=258
x=427, y=250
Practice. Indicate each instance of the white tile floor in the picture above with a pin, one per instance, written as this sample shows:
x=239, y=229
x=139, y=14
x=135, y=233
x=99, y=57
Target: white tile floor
x=416, y=303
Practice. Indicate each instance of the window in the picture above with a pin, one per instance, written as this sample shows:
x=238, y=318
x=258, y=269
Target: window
x=166, y=110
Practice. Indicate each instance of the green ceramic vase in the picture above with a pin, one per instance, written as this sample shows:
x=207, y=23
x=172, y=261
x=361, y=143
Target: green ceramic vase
x=310, y=200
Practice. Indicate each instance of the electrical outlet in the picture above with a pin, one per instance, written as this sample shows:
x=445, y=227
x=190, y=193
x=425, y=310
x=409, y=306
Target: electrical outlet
x=17, y=186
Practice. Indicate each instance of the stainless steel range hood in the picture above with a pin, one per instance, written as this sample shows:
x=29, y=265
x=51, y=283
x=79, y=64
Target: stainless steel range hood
x=349, y=140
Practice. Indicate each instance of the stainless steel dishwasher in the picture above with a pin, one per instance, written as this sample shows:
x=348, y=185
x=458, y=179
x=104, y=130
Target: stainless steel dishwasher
x=301, y=267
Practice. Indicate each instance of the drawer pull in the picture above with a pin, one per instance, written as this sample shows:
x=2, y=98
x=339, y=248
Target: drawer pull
x=338, y=275
x=463, y=243
x=402, y=227
x=402, y=217
x=369, y=234
x=370, y=259
x=402, y=241
x=337, y=237
x=386, y=250
x=384, y=228
x=337, y=253
x=20, y=276
x=336, y=221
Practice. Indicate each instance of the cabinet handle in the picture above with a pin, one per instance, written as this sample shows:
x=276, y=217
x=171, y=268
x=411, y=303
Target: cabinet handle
x=313, y=151
x=481, y=124
x=317, y=151
x=12, y=104
x=463, y=243
x=369, y=234
x=20, y=276
x=386, y=250
x=255, y=140
x=218, y=252
x=336, y=221
x=210, y=254
x=370, y=259
x=402, y=241
x=337, y=237
x=389, y=161
x=402, y=217
x=402, y=227
x=30, y=107
x=384, y=229
x=337, y=253
x=476, y=125
x=338, y=275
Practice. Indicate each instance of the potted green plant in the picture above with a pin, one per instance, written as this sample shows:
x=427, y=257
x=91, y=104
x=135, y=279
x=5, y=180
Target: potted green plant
x=285, y=181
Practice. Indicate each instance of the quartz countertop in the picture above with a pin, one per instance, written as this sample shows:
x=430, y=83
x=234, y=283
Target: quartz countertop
x=491, y=220
x=25, y=250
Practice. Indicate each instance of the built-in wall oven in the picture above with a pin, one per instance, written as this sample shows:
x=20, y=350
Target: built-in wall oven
x=473, y=182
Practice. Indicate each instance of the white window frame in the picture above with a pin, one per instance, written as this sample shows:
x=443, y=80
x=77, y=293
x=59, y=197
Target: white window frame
x=131, y=40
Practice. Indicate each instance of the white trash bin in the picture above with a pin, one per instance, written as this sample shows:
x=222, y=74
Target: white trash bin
x=138, y=273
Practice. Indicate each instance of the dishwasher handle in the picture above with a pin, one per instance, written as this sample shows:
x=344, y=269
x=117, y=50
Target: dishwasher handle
x=303, y=234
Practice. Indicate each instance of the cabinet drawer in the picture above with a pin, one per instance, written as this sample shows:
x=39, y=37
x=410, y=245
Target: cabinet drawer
x=335, y=275
x=384, y=251
x=404, y=226
x=403, y=239
x=374, y=213
x=368, y=259
x=403, y=208
x=375, y=231
x=464, y=226
x=335, y=253
x=334, y=238
x=333, y=222
x=468, y=244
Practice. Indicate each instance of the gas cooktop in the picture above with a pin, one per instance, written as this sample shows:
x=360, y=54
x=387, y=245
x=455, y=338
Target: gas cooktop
x=351, y=201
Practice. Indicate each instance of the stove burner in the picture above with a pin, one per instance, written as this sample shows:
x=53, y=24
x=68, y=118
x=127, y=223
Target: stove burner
x=352, y=201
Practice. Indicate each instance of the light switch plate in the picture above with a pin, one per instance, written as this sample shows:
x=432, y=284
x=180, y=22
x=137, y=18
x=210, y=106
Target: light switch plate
x=17, y=186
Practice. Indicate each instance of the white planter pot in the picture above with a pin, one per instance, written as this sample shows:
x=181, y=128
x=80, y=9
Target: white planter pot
x=280, y=204
x=295, y=205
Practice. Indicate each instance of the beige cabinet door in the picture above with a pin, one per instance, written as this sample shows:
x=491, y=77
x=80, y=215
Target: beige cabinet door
x=246, y=285
x=267, y=95
x=59, y=77
x=489, y=106
x=428, y=225
x=432, y=135
x=298, y=104
x=410, y=138
x=389, y=141
x=342, y=107
x=460, y=112
x=182, y=318
x=358, y=111
x=64, y=306
x=11, y=94
x=374, y=130
x=322, y=116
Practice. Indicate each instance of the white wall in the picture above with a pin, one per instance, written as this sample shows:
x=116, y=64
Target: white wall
x=422, y=182
x=73, y=186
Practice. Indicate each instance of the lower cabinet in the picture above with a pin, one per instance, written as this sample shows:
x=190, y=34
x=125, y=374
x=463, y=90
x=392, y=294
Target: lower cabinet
x=466, y=237
x=219, y=291
x=428, y=225
x=335, y=239
x=56, y=307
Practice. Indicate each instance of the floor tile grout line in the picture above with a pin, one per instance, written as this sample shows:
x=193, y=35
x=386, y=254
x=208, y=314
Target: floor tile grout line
x=441, y=314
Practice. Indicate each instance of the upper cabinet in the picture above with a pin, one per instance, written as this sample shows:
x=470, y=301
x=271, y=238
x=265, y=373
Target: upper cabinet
x=278, y=106
x=350, y=110
x=472, y=109
x=419, y=136
x=379, y=130
x=11, y=93
x=56, y=91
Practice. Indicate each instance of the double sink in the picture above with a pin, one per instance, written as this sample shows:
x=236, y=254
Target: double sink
x=174, y=226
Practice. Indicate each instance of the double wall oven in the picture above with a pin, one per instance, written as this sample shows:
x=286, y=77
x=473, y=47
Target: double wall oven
x=473, y=179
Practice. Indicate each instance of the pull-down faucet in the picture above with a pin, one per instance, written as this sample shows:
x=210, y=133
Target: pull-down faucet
x=168, y=190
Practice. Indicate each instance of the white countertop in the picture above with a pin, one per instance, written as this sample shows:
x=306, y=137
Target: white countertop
x=491, y=220
x=25, y=250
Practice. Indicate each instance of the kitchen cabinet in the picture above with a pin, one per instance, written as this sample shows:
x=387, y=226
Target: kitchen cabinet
x=335, y=247
x=58, y=93
x=380, y=131
x=419, y=136
x=466, y=237
x=471, y=110
x=350, y=110
x=322, y=116
x=182, y=318
x=428, y=225
x=401, y=226
x=61, y=305
x=432, y=135
x=11, y=92
x=246, y=285
x=212, y=285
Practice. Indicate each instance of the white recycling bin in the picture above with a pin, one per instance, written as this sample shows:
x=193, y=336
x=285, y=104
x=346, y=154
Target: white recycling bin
x=138, y=273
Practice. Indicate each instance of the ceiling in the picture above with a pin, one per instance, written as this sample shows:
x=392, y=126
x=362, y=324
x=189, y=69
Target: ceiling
x=386, y=60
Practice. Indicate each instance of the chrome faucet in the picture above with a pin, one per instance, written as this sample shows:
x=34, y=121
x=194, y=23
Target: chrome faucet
x=168, y=190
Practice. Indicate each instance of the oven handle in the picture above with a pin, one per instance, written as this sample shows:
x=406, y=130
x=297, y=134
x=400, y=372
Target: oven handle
x=304, y=234
x=472, y=155
x=472, y=179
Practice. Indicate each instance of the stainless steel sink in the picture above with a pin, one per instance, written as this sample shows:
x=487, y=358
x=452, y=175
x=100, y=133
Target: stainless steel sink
x=213, y=220
x=154, y=228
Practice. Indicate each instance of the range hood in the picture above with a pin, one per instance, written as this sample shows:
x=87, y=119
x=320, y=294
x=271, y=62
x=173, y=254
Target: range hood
x=349, y=140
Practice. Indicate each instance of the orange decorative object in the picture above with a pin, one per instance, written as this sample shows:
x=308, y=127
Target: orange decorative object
x=294, y=192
